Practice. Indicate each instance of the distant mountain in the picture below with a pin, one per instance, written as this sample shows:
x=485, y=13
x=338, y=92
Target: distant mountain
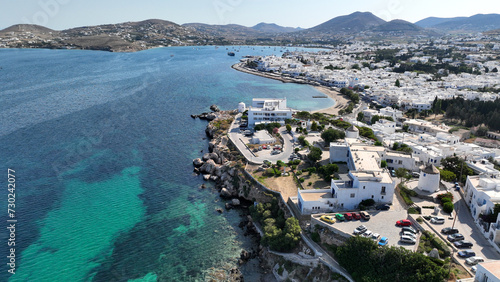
x=476, y=23
x=33, y=28
x=355, y=22
x=398, y=26
x=228, y=30
x=431, y=21
x=274, y=28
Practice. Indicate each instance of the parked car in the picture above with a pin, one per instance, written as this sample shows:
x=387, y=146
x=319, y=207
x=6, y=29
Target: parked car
x=473, y=269
x=408, y=240
x=409, y=234
x=393, y=173
x=348, y=216
x=375, y=236
x=403, y=222
x=415, y=174
x=359, y=230
x=466, y=254
x=385, y=207
x=364, y=215
x=449, y=230
x=368, y=233
x=474, y=260
x=328, y=218
x=356, y=215
x=340, y=216
x=455, y=237
x=409, y=229
x=275, y=152
x=463, y=244
x=383, y=241
x=437, y=220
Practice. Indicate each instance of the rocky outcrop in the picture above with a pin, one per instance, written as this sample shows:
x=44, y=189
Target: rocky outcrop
x=225, y=193
x=208, y=167
x=198, y=162
x=214, y=108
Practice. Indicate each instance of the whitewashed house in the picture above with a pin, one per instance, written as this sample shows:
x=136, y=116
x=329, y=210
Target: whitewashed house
x=267, y=110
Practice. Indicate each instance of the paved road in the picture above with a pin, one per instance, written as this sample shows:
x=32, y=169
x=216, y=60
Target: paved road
x=259, y=157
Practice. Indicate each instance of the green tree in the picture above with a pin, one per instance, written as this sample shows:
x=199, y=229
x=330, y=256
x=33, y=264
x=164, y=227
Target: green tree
x=314, y=126
x=360, y=117
x=327, y=171
x=401, y=173
x=397, y=84
x=355, y=66
x=288, y=128
x=331, y=135
x=482, y=131
x=448, y=207
x=315, y=154
x=447, y=175
x=374, y=119
x=383, y=163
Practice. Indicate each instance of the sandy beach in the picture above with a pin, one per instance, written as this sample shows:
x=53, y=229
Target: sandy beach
x=340, y=100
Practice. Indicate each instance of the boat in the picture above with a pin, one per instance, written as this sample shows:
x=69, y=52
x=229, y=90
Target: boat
x=230, y=54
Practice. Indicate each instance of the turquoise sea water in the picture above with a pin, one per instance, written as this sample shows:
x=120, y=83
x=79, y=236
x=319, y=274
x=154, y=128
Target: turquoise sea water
x=102, y=145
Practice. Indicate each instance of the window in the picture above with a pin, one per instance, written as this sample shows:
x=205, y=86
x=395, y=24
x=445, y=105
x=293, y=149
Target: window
x=400, y=162
x=364, y=187
x=352, y=195
x=372, y=196
x=382, y=197
x=383, y=190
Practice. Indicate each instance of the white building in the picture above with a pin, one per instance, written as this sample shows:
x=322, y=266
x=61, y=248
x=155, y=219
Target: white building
x=263, y=137
x=488, y=271
x=268, y=110
x=481, y=193
x=365, y=180
x=429, y=179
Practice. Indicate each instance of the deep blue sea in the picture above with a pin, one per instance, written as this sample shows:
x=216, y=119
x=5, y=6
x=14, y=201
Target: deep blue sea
x=102, y=147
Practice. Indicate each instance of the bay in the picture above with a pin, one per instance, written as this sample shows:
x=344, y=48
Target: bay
x=102, y=147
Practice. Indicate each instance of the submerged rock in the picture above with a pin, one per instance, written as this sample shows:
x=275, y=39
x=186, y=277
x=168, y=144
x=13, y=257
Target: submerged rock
x=214, y=108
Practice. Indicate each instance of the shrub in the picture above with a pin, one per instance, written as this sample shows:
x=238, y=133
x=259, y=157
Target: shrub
x=302, y=180
x=309, y=184
x=367, y=202
x=413, y=210
x=315, y=237
x=448, y=207
x=420, y=220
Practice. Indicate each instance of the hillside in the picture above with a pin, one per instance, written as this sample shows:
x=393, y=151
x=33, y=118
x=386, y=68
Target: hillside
x=476, y=23
x=273, y=28
x=355, y=22
x=432, y=21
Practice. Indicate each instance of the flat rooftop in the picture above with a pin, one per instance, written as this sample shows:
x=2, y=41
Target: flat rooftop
x=493, y=267
x=315, y=196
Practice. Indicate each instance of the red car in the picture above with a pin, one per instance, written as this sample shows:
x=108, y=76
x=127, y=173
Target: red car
x=348, y=216
x=403, y=222
x=356, y=215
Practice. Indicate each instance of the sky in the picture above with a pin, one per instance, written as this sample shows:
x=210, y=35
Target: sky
x=62, y=14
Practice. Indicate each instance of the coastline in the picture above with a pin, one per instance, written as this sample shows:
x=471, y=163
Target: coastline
x=340, y=100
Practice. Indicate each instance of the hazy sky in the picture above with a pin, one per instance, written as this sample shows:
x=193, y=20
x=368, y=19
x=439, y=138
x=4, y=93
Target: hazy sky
x=61, y=14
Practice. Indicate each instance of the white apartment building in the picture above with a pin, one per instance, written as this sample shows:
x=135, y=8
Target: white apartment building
x=267, y=110
x=481, y=193
x=365, y=180
x=488, y=271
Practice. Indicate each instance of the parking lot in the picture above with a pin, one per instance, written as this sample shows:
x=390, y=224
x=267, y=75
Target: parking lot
x=381, y=222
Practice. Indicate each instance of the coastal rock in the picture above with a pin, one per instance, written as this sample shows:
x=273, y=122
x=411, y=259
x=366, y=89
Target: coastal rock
x=206, y=177
x=214, y=108
x=235, y=202
x=225, y=193
x=211, y=116
x=244, y=255
x=203, y=186
x=211, y=156
x=198, y=162
x=219, y=210
x=228, y=206
x=214, y=178
x=211, y=146
x=231, y=171
x=208, y=167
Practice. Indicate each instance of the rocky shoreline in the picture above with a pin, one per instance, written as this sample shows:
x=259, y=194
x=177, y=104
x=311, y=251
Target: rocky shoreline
x=222, y=166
